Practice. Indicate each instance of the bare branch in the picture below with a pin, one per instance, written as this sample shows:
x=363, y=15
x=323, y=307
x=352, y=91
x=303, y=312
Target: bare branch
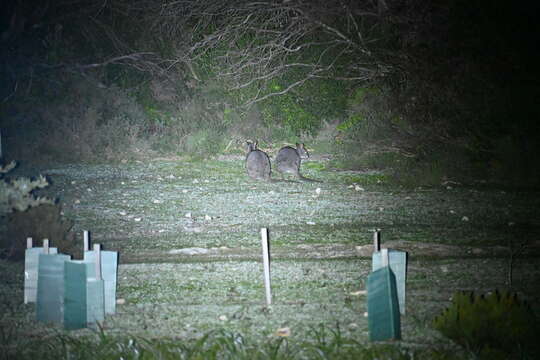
x=258, y=42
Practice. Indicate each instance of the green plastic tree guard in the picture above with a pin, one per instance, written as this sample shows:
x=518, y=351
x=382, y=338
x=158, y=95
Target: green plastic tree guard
x=31, y=260
x=109, y=270
x=95, y=300
x=397, y=261
x=83, y=295
x=75, y=294
x=383, y=307
x=50, y=288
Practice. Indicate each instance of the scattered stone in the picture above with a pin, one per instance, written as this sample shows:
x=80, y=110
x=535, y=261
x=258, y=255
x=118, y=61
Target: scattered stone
x=283, y=332
x=359, y=293
x=477, y=251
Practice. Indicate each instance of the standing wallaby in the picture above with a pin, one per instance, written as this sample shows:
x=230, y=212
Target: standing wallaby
x=257, y=163
x=288, y=160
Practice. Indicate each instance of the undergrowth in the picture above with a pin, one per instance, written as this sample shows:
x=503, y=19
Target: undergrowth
x=323, y=343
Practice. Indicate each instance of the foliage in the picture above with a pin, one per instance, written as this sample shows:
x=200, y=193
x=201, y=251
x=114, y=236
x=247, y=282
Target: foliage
x=488, y=325
x=324, y=343
x=401, y=77
x=42, y=222
x=17, y=194
x=302, y=111
x=82, y=121
x=30, y=216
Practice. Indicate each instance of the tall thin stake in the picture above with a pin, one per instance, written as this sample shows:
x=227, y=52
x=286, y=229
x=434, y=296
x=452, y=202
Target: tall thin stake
x=266, y=265
x=377, y=240
x=97, y=254
x=28, y=242
x=86, y=241
x=46, y=246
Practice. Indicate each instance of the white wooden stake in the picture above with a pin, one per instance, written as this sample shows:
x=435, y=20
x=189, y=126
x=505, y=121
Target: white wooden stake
x=377, y=240
x=46, y=246
x=384, y=257
x=266, y=265
x=28, y=242
x=86, y=246
x=97, y=254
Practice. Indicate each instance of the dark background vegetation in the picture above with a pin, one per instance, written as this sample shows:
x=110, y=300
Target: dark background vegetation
x=428, y=90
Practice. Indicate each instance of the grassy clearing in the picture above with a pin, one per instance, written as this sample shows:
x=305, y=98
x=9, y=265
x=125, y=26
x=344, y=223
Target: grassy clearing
x=197, y=305
x=146, y=207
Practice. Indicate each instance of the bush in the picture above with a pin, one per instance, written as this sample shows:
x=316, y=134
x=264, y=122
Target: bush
x=17, y=194
x=42, y=222
x=30, y=216
x=82, y=121
x=492, y=325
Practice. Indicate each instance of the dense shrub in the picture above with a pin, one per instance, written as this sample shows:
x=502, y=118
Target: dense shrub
x=495, y=325
x=29, y=216
x=41, y=222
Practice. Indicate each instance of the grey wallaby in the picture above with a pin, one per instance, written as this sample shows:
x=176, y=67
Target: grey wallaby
x=288, y=160
x=257, y=163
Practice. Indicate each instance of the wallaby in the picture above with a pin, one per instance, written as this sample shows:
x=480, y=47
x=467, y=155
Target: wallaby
x=257, y=163
x=288, y=160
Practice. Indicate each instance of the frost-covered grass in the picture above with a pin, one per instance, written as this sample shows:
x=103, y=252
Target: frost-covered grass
x=170, y=301
x=150, y=208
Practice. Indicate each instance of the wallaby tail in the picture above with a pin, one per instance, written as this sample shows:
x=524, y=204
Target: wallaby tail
x=282, y=181
x=303, y=178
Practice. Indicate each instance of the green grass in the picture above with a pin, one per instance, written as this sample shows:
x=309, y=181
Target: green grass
x=322, y=343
